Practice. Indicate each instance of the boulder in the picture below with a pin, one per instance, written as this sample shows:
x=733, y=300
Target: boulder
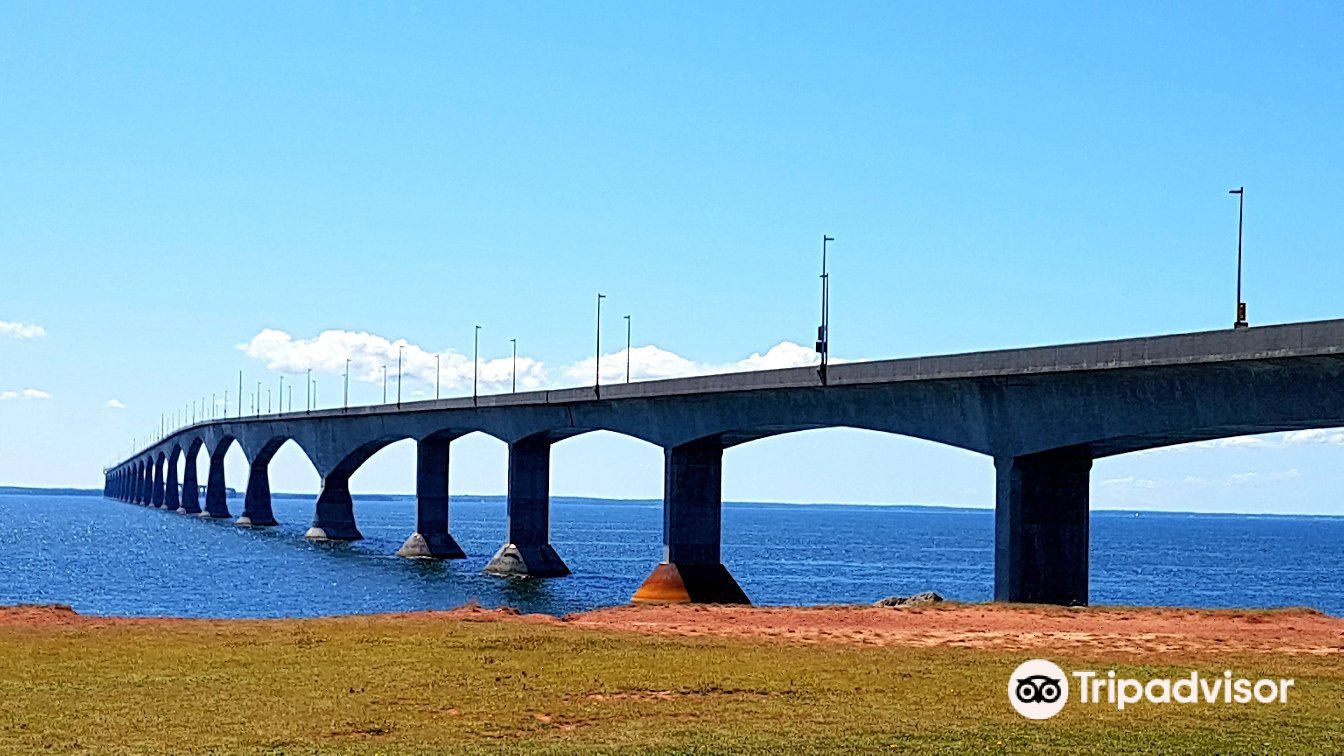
x=919, y=599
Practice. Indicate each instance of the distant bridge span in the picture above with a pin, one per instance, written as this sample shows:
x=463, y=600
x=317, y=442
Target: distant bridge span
x=1042, y=413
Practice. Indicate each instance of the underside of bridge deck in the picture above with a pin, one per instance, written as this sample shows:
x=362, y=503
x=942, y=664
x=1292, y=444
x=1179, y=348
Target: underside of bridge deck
x=1044, y=414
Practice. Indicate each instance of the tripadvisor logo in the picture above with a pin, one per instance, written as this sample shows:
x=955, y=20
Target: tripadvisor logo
x=1038, y=689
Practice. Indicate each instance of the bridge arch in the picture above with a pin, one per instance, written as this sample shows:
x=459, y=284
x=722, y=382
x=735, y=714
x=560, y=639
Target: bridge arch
x=1283, y=473
x=216, y=488
x=700, y=471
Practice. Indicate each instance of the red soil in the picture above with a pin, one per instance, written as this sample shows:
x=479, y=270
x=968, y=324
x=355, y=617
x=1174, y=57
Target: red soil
x=1122, y=630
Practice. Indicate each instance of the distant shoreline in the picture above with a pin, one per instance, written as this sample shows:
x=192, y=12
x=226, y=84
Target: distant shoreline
x=595, y=500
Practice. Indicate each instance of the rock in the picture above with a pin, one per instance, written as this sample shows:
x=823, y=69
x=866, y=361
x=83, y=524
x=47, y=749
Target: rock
x=919, y=599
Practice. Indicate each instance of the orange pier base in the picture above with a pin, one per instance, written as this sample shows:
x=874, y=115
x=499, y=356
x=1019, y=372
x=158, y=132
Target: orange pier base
x=673, y=583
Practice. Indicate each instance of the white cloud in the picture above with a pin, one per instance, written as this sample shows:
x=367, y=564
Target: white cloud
x=369, y=353
x=1332, y=436
x=1244, y=442
x=115, y=404
x=28, y=393
x=1129, y=481
x=1260, y=479
x=651, y=362
x=21, y=330
x=1236, y=480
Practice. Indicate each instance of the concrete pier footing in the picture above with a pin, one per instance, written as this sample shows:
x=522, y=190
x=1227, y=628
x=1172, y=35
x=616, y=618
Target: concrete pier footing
x=157, y=491
x=528, y=551
x=527, y=560
x=691, y=571
x=671, y=583
x=431, y=539
x=172, y=501
x=257, y=500
x=1041, y=523
x=191, y=494
x=334, y=515
x=216, y=492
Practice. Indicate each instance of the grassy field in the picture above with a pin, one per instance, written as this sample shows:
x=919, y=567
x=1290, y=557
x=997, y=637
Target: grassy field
x=403, y=685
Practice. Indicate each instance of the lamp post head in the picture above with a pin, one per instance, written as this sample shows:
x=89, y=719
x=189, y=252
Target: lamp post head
x=1236, y=191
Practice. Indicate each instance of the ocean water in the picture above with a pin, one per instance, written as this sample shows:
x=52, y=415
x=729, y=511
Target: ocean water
x=108, y=557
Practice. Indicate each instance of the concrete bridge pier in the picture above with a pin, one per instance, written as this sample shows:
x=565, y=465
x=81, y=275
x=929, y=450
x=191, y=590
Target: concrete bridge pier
x=146, y=485
x=431, y=537
x=334, y=515
x=156, y=492
x=191, y=493
x=171, y=499
x=1041, y=524
x=692, y=570
x=257, y=500
x=528, y=550
x=216, y=491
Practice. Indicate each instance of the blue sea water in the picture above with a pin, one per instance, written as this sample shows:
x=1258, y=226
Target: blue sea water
x=108, y=557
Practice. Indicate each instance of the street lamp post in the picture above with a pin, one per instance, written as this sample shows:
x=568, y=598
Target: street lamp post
x=400, y=349
x=240, y=393
x=475, y=361
x=597, y=367
x=308, y=394
x=438, y=375
x=627, y=348
x=280, y=397
x=515, y=364
x=824, y=330
x=384, y=384
x=345, y=402
x=1240, y=322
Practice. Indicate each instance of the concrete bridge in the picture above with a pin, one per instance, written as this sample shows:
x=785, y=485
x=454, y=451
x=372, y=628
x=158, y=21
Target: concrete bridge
x=1044, y=414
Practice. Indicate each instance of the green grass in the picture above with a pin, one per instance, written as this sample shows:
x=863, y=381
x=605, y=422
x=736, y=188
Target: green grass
x=387, y=685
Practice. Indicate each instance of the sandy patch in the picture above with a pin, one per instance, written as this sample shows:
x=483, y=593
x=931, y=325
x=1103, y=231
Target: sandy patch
x=1122, y=630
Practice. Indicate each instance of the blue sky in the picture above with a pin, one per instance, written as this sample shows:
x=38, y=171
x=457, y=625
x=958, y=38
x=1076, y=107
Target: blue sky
x=183, y=184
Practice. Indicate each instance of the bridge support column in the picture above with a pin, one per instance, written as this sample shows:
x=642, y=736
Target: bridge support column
x=528, y=550
x=156, y=493
x=431, y=537
x=146, y=485
x=191, y=494
x=216, y=491
x=334, y=518
x=257, y=500
x=1041, y=523
x=691, y=570
x=171, y=500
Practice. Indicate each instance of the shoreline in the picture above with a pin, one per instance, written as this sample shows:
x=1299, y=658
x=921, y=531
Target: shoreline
x=1124, y=631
